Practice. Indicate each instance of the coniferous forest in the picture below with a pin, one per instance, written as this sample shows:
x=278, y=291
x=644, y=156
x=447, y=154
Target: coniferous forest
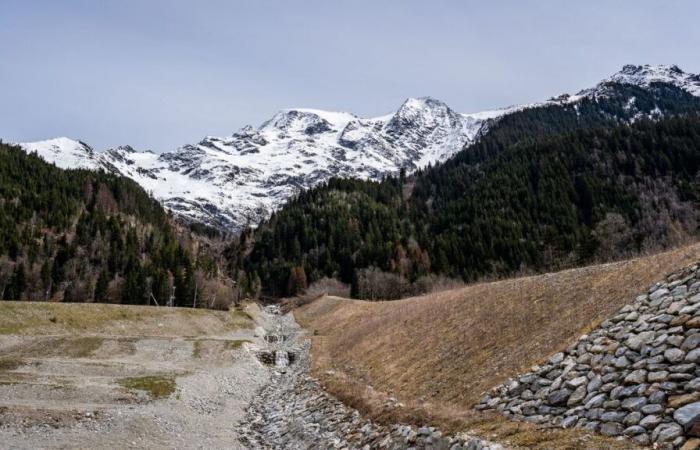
x=78, y=235
x=546, y=188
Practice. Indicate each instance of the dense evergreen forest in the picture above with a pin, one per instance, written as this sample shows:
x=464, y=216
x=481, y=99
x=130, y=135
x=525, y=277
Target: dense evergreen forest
x=562, y=184
x=545, y=188
x=84, y=236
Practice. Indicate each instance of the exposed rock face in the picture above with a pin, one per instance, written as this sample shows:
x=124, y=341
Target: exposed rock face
x=637, y=375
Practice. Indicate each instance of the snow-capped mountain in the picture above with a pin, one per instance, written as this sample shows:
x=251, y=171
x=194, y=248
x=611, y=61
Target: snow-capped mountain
x=648, y=74
x=240, y=179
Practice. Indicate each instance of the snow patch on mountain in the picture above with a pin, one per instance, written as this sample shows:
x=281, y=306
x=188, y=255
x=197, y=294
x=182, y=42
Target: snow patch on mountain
x=66, y=153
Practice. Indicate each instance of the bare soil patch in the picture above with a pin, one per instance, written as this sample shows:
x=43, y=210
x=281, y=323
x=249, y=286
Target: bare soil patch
x=111, y=376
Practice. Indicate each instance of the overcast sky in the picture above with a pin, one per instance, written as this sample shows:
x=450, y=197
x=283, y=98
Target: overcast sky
x=158, y=74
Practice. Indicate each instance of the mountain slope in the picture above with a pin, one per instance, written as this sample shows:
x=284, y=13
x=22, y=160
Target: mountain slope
x=84, y=236
x=528, y=196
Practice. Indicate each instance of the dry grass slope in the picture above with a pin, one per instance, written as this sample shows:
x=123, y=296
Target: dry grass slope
x=438, y=353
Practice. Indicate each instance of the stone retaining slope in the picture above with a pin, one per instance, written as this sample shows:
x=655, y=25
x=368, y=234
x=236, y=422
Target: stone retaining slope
x=637, y=374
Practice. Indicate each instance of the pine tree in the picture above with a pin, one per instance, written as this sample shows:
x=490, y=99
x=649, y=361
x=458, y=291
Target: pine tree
x=101, y=286
x=18, y=283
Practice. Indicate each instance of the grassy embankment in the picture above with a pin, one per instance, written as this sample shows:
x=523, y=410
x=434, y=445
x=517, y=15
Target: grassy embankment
x=437, y=354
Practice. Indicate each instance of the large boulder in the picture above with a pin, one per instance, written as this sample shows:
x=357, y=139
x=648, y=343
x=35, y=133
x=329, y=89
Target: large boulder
x=666, y=432
x=688, y=417
x=559, y=397
x=635, y=342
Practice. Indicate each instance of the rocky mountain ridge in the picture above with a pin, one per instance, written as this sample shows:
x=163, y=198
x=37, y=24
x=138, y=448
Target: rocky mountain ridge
x=238, y=180
x=232, y=181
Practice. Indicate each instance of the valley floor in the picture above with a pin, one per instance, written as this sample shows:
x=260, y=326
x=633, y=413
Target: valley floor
x=227, y=380
x=108, y=376
x=139, y=387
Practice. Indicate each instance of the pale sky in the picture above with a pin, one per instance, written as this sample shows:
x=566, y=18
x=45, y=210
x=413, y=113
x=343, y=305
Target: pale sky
x=162, y=73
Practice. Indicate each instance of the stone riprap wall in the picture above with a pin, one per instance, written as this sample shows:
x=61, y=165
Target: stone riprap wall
x=636, y=375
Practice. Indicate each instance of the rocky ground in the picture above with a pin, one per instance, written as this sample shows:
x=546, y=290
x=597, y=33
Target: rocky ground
x=187, y=393
x=293, y=411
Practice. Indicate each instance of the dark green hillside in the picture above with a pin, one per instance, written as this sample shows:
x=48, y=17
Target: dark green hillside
x=77, y=235
x=545, y=188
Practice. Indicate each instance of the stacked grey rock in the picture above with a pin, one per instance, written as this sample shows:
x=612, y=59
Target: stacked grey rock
x=637, y=375
x=294, y=412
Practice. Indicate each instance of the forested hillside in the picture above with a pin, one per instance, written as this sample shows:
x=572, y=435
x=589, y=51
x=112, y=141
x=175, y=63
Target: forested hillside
x=78, y=235
x=545, y=188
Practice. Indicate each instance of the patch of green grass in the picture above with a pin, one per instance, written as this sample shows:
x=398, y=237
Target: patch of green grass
x=197, y=348
x=198, y=345
x=156, y=386
x=7, y=364
x=82, y=347
x=235, y=344
x=50, y=347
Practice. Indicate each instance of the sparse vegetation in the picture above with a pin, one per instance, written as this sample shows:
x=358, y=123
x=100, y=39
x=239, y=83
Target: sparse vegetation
x=8, y=364
x=157, y=387
x=199, y=346
x=79, y=347
x=235, y=344
x=50, y=318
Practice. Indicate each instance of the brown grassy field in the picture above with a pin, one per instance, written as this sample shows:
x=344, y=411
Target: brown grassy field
x=437, y=354
x=40, y=318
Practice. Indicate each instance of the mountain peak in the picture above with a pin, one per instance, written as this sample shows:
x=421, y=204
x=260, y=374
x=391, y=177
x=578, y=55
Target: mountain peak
x=645, y=75
x=59, y=144
x=633, y=69
x=238, y=179
x=64, y=152
x=306, y=120
x=422, y=103
x=424, y=112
